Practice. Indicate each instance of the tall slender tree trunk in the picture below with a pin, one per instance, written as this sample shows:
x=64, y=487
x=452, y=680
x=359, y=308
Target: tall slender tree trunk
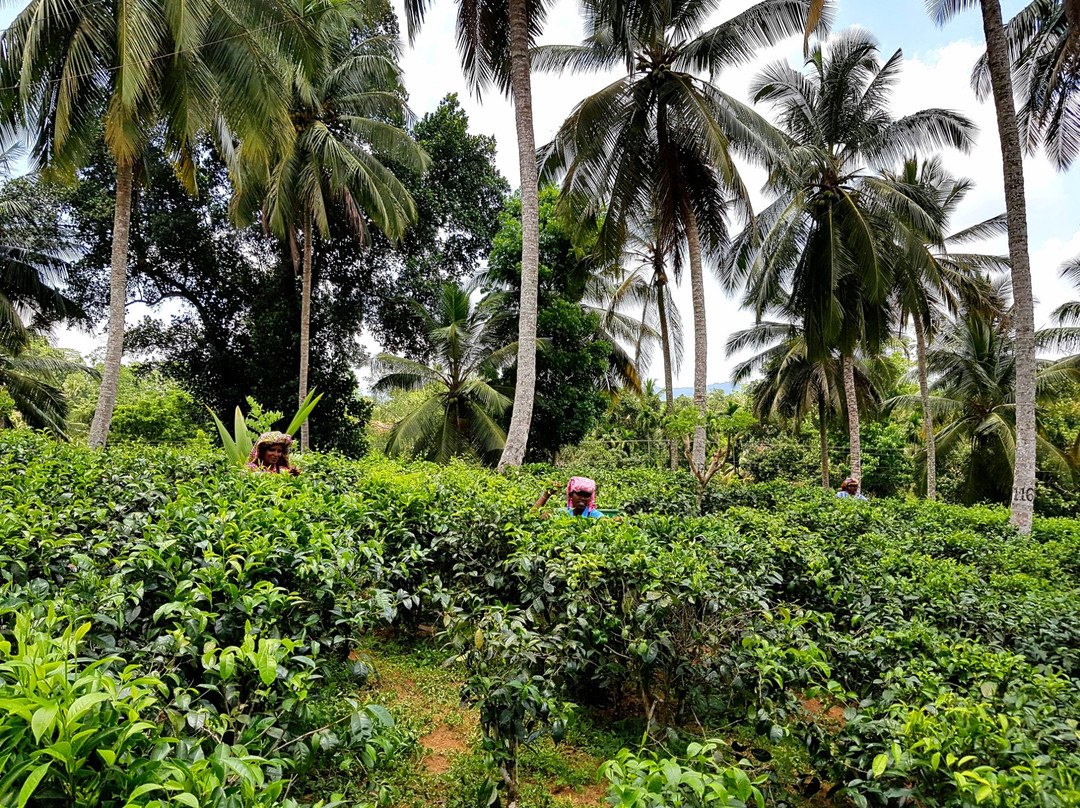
x=928, y=416
x=665, y=339
x=1012, y=158
x=305, y=325
x=848, y=363
x=1072, y=16
x=823, y=438
x=114, y=345
x=517, y=436
x=701, y=347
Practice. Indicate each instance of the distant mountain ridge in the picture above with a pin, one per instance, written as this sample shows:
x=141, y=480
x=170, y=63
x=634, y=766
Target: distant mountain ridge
x=677, y=392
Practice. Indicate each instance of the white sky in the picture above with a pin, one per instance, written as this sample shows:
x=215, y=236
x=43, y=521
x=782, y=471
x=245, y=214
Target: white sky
x=936, y=73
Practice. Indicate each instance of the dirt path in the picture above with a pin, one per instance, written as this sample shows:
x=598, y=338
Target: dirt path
x=424, y=698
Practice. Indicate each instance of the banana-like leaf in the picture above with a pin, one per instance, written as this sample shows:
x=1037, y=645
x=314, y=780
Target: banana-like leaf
x=242, y=436
x=304, y=412
x=231, y=451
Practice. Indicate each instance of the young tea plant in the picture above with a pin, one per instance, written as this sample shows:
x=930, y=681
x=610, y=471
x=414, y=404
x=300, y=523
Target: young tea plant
x=513, y=681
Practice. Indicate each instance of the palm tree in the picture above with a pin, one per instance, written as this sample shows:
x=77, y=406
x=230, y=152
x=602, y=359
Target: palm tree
x=35, y=384
x=974, y=368
x=794, y=386
x=494, y=37
x=173, y=69
x=1064, y=335
x=646, y=286
x=342, y=96
x=1044, y=49
x=827, y=234
x=998, y=66
x=928, y=279
x=457, y=415
x=661, y=138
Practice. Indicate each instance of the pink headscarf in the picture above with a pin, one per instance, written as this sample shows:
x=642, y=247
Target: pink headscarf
x=581, y=484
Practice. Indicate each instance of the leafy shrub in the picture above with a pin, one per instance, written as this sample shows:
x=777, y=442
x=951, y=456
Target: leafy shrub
x=698, y=780
x=925, y=625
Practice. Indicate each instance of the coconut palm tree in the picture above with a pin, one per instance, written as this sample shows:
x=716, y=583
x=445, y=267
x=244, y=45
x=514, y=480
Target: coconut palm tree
x=172, y=69
x=929, y=278
x=494, y=37
x=35, y=383
x=646, y=286
x=1064, y=335
x=341, y=99
x=661, y=138
x=1044, y=49
x=457, y=415
x=827, y=235
x=974, y=370
x=998, y=66
x=793, y=386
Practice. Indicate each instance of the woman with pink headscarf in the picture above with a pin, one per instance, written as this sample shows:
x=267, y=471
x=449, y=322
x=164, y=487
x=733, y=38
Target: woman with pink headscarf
x=580, y=498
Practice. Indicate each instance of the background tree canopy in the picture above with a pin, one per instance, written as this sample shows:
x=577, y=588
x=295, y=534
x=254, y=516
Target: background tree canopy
x=240, y=332
x=572, y=365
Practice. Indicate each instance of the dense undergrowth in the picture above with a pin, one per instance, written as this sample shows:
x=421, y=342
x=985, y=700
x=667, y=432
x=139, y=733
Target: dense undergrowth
x=173, y=630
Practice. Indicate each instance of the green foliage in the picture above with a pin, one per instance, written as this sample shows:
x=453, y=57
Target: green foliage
x=82, y=732
x=150, y=407
x=929, y=628
x=458, y=200
x=569, y=374
x=168, y=418
x=246, y=430
x=511, y=681
x=571, y=367
x=725, y=423
x=698, y=780
x=455, y=415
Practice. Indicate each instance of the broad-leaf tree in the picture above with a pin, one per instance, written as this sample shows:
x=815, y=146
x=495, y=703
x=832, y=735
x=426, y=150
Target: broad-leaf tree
x=174, y=69
x=661, y=138
x=998, y=65
x=341, y=99
x=458, y=414
x=826, y=237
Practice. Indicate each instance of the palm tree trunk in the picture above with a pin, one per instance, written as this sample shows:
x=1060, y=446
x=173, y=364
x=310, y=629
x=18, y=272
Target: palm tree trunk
x=697, y=289
x=305, y=325
x=848, y=363
x=823, y=437
x=665, y=340
x=928, y=417
x=997, y=53
x=114, y=346
x=517, y=436
x=1072, y=16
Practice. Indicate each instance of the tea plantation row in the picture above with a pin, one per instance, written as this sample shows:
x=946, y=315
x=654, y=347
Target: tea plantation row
x=174, y=630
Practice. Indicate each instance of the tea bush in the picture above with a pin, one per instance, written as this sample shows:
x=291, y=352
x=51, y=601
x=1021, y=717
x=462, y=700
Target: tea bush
x=918, y=653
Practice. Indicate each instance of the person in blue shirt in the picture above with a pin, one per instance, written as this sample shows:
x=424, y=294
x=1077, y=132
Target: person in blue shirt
x=849, y=489
x=580, y=499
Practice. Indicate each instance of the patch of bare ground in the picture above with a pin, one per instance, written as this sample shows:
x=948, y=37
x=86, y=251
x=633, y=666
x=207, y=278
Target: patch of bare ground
x=816, y=710
x=584, y=796
x=441, y=747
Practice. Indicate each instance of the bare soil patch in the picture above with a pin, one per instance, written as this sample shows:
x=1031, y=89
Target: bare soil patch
x=444, y=744
x=586, y=796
